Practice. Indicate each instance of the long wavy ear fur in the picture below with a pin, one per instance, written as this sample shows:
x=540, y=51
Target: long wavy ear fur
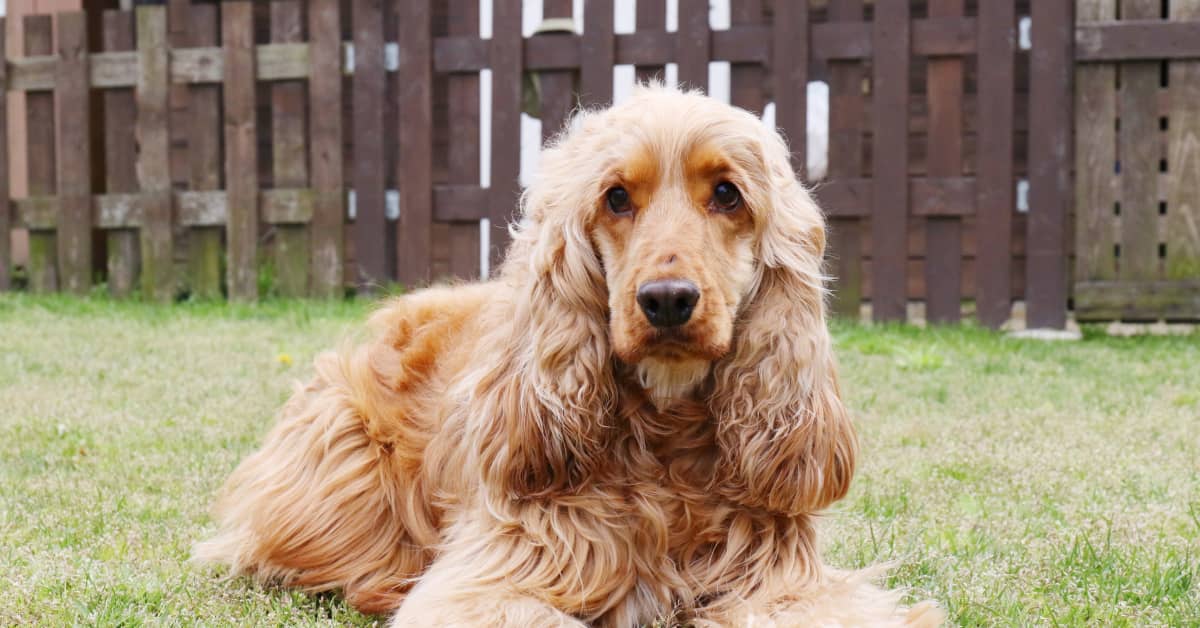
x=543, y=398
x=786, y=441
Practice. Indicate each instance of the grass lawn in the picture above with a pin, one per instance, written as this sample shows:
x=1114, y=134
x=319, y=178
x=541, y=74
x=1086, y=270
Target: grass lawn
x=1018, y=482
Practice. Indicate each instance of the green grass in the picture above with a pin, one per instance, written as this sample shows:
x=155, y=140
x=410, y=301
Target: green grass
x=1018, y=482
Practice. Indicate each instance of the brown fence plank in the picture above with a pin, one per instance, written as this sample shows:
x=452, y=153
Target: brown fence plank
x=506, y=123
x=1140, y=150
x=943, y=238
x=557, y=87
x=994, y=165
x=1095, y=157
x=241, y=150
x=325, y=148
x=153, y=161
x=290, y=159
x=120, y=159
x=40, y=158
x=415, y=176
x=1049, y=171
x=204, y=157
x=845, y=163
x=73, y=97
x=5, y=200
x=598, y=49
x=1183, y=160
x=651, y=17
x=791, y=78
x=748, y=80
x=890, y=159
x=463, y=140
x=370, y=167
x=692, y=44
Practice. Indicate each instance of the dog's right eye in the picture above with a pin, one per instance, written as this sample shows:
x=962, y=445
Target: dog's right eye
x=618, y=200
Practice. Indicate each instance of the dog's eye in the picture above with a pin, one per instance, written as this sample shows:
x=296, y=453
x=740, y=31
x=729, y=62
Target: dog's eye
x=618, y=200
x=726, y=197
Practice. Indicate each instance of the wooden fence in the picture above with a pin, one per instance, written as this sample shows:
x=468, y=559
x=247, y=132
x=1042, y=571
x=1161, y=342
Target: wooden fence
x=1137, y=186
x=255, y=120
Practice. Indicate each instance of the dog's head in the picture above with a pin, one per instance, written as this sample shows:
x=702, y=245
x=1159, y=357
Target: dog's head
x=671, y=234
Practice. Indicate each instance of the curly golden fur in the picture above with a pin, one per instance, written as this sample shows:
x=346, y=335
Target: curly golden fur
x=534, y=451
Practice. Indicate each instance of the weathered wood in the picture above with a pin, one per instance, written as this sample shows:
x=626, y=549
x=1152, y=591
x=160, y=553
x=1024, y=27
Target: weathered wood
x=1049, y=168
x=204, y=154
x=890, y=158
x=943, y=197
x=325, y=148
x=153, y=160
x=506, y=125
x=943, y=239
x=192, y=208
x=598, y=50
x=5, y=200
x=1137, y=300
x=414, y=256
x=241, y=151
x=1135, y=39
x=651, y=20
x=791, y=78
x=1140, y=150
x=290, y=159
x=1183, y=133
x=692, y=44
x=1095, y=156
x=369, y=169
x=845, y=164
x=120, y=159
x=40, y=159
x=994, y=183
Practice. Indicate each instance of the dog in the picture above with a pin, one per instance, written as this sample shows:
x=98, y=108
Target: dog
x=638, y=420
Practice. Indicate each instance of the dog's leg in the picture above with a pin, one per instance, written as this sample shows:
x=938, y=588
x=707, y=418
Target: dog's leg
x=449, y=595
x=325, y=504
x=838, y=600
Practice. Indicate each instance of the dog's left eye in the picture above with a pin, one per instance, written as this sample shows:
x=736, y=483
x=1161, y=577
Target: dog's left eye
x=726, y=197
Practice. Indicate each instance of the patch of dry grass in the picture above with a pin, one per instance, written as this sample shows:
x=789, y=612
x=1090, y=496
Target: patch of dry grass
x=1018, y=482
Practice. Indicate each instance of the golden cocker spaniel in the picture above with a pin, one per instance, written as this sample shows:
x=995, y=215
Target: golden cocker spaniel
x=638, y=420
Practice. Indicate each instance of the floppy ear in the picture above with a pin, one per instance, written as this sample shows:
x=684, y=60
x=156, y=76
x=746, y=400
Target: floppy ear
x=786, y=441
x=542, y=400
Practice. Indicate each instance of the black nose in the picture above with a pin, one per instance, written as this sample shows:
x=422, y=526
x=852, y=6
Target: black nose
x=668, y=302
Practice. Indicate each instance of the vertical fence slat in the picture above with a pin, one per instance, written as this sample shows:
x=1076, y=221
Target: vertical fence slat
x=845, y=162
x=370, y=178
x=204, y=159
x=1140, y=150
x=692, y=44
x=651, y=16
x=1095, y=156
x=943, y=234
x=463, y=148
x=506, y=123
x=5, y=201
x=40, y=158
x=747, y=80
x=290, y=160
x=557, y=87
x=599, y=52
x=153, y=161
x=241, y=150
x=1049, y=172
x=325, y=146
x=1183, y=159
x=889, y=218
x=415, y=176
x=994, y=170
x=791, y=78
x=120, y=158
